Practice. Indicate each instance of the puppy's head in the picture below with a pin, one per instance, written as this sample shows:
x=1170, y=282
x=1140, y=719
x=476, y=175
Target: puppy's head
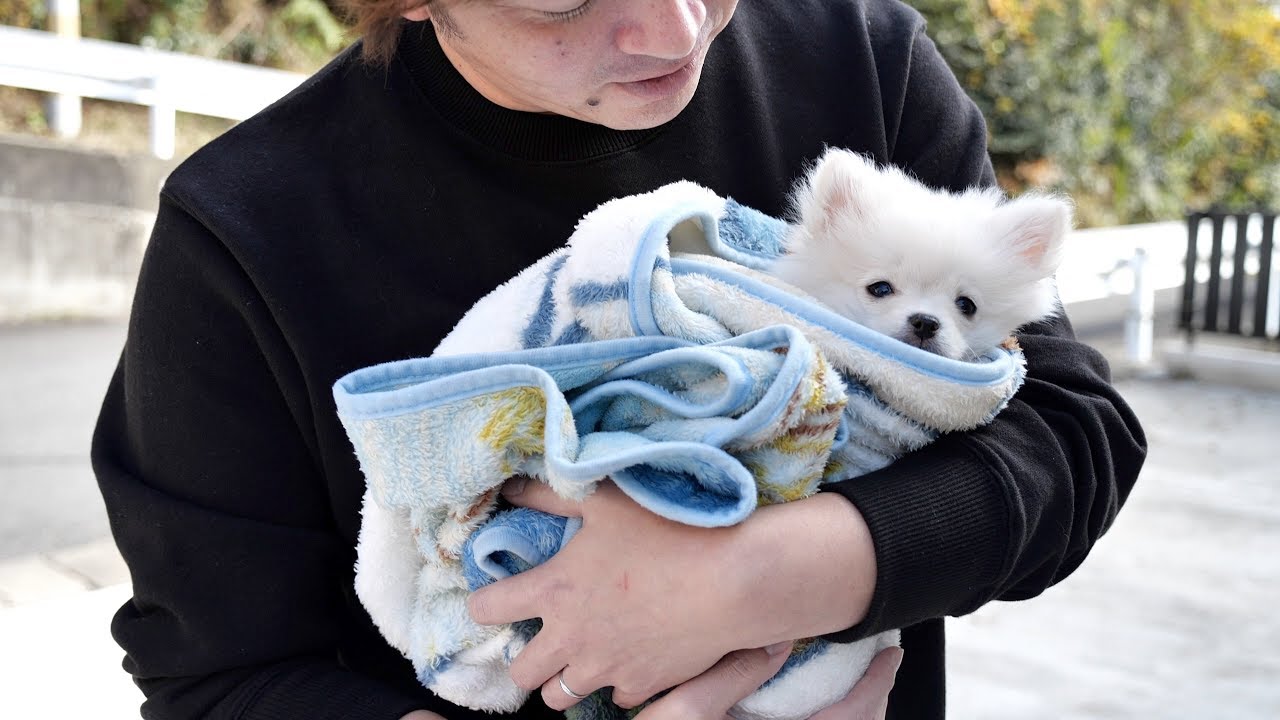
x=954, y=274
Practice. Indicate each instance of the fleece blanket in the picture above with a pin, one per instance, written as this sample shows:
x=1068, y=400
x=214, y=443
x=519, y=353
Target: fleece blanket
x=656, y=350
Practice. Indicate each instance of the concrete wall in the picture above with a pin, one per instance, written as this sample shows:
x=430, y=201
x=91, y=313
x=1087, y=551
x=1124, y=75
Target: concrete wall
x=73, y=226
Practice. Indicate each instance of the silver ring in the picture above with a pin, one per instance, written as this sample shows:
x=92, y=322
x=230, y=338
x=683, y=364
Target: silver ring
x=566, y=689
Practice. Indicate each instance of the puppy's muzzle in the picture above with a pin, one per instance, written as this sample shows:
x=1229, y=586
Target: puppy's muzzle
x=924, y=326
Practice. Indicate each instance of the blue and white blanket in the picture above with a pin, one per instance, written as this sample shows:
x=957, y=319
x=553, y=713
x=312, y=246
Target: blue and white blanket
x=654, y=349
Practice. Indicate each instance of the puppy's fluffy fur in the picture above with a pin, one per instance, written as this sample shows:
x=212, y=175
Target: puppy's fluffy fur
x=953, y=274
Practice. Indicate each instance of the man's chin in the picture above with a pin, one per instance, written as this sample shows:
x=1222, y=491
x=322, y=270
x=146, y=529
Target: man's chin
x=621, y=111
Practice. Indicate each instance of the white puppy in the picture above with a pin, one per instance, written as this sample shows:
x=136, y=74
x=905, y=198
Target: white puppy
x=952, y=273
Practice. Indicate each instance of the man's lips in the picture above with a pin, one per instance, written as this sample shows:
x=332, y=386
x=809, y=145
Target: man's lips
x=662, y=73
x=661, y=86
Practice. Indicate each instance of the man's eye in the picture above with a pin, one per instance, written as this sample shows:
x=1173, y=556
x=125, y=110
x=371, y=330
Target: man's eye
x=880, y=289
x=967, y=306
x=567, y=15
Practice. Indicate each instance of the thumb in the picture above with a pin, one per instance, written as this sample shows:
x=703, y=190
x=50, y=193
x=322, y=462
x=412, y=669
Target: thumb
x=524, y=491
x=882, y=672
x=710, y=695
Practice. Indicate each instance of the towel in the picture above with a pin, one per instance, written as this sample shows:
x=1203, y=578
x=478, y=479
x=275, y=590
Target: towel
x=656, y=350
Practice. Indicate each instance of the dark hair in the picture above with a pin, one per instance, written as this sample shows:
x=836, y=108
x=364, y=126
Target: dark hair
x=377, y=22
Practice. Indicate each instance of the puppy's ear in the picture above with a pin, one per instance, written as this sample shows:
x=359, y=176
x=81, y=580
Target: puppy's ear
x=1036, y=228
x=838, y=185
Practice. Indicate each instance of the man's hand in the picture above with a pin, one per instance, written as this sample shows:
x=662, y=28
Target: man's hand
x=633, y=601
x=741, y=673
x=710, y=695
x=677, y=598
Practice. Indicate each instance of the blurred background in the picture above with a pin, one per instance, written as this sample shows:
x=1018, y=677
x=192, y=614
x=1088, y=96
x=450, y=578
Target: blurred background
x=1161, y=121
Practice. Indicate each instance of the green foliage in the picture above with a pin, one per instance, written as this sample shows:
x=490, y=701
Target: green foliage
x=1003, y=73
x=23, y=13
x=1136, y=109
x=299, y=34
x=293, y=34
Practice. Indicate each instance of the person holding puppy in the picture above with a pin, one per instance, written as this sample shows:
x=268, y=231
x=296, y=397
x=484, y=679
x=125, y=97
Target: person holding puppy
x=356, y=220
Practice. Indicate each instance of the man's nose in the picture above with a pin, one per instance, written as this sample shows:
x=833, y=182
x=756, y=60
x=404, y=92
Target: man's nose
x=667, y=29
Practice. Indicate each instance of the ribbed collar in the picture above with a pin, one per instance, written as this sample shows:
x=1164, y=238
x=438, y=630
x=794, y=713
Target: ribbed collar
x=532, y=136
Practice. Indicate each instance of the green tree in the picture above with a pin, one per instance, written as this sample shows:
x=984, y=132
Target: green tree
x=292, y=34
x=1001, y=60
x=23, y=13
x=1136, y=109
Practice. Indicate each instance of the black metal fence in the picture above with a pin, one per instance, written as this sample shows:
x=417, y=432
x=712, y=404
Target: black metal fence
x=1228, y=289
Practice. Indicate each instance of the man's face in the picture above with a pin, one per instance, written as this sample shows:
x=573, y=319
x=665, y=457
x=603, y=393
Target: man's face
x=625, y=64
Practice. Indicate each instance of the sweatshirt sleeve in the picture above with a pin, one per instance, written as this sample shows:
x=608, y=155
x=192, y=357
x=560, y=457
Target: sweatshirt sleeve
x=1005, y=511
x=217, y=504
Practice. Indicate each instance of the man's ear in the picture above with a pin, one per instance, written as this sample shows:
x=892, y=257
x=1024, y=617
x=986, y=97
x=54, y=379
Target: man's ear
x=418, y=14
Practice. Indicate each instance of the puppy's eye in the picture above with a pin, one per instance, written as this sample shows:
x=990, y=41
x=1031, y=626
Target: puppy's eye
x=880, y=289
x=966, y=305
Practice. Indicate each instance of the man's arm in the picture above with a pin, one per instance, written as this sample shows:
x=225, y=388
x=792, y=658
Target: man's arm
x=217, y=504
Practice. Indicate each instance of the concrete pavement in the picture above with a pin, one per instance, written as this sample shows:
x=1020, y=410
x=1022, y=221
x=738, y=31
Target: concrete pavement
x=52, y=379
x=60, y=575
x=1171, y=617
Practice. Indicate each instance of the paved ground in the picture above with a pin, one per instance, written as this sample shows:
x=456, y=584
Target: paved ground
x=1173, y=616
x=60, y=576
x=52, y=378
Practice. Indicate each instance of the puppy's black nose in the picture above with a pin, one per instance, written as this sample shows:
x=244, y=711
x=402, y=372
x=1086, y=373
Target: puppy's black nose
x=925, y=326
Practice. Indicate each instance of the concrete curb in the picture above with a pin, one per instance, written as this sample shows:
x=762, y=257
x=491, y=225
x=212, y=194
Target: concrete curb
x=48, y=577
x=1230, y=363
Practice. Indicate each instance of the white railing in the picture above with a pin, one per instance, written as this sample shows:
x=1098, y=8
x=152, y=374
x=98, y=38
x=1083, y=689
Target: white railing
x=1129, y=260
x=166, y=82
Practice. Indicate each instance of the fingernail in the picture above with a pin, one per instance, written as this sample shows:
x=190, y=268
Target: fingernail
x=515, y=486
x=777, y=648
x=897, y=660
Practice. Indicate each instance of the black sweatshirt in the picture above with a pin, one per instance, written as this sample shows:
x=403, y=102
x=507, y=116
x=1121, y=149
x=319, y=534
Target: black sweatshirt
x=356, y=220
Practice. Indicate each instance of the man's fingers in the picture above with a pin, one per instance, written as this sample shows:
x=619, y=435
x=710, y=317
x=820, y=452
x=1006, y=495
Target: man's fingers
x=538, y=661
x=532, y=493
x=556, y=692
x=520, y=597
x=710, y=695
x=509, y=600
x=878, y=679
